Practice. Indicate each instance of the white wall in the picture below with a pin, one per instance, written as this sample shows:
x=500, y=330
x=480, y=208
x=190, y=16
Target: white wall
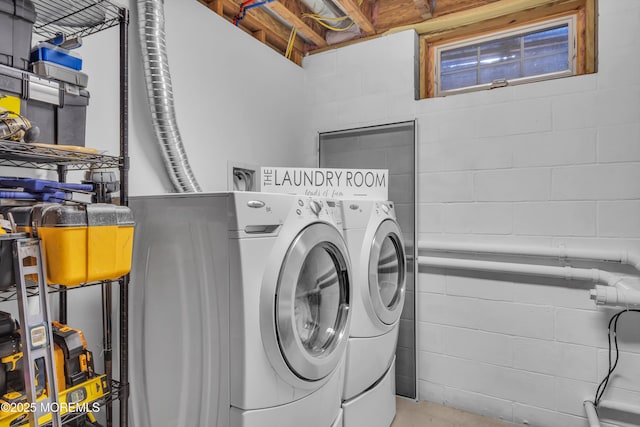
x=236, y=100
x=551, y=163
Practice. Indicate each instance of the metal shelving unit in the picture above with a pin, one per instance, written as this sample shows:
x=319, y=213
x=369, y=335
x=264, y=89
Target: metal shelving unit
x=75, y=18
x=32, y=290
x=23, y=155
x=82, y=18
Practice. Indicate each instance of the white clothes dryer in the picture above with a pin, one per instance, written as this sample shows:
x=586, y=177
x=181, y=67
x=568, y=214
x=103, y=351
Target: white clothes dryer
x=240, y=310
x=378, y=255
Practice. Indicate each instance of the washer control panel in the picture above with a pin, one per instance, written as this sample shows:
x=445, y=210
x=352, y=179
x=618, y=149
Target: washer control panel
x=324, y=209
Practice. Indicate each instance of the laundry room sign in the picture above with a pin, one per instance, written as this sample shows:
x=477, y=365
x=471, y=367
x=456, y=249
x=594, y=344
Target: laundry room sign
x=370, y=184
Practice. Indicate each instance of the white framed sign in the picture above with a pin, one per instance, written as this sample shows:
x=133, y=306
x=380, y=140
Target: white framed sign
x=372, y=184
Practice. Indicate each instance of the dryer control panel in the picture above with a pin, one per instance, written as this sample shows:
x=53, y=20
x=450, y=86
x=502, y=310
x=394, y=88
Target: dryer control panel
x=321, y=209
x=385, y=209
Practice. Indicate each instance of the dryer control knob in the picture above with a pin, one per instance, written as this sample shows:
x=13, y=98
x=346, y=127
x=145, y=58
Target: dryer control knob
x=385, y=208
x=316, y=207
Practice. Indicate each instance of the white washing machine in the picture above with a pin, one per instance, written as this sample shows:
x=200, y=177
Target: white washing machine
x=377, y=252
x=240, y=311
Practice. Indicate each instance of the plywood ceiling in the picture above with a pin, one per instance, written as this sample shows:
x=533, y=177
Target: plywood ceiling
x=274, y=22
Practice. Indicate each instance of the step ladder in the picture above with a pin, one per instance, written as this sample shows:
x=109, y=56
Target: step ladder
x=36, y=334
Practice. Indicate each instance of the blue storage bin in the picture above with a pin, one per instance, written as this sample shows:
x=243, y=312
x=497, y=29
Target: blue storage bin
x=57, y=55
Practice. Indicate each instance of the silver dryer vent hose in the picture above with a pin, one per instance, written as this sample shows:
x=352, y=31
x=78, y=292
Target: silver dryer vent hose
x=160, y=93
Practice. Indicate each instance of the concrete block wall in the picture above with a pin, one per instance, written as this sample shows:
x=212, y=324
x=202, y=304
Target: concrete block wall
x=553, y=164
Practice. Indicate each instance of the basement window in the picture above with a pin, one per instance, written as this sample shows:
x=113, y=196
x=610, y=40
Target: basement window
x=543, y=51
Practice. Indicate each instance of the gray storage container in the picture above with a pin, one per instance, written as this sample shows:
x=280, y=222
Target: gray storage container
x=16, y=23
x=60, y=73
x=59, y=109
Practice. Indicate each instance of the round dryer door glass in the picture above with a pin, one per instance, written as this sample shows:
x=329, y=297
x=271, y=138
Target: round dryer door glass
x=317, y=300
x=312, y=302
x=389, y=275
x=387, y=269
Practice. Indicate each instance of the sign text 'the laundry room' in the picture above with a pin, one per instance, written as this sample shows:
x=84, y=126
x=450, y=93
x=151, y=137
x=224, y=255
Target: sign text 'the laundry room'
x=323, y=182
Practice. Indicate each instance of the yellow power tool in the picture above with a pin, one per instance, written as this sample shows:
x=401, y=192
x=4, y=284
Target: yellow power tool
x=14, y=127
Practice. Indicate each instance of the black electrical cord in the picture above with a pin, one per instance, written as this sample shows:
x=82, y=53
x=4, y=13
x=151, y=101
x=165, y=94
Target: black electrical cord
x=612, y=364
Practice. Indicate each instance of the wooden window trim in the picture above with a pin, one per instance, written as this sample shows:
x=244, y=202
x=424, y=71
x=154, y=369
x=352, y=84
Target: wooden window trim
x=584, y=10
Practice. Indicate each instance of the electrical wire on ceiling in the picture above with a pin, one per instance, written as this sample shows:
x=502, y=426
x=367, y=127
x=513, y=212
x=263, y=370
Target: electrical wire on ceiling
x=244, y=7
x=320, y=20
x=323, y=20
x=241, y=13
x=292, y=39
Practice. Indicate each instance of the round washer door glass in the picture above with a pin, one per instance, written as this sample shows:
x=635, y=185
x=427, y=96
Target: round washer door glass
x=387, y=268
x=317, y=300
x=312, y=303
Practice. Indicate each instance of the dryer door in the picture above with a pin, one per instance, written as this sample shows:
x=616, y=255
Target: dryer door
x=387, y=271
x=312, y=302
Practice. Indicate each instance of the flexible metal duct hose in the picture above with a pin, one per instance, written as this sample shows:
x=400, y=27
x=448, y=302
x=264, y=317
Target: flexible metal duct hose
x=160, y=93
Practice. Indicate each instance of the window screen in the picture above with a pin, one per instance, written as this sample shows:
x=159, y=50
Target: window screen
x=531, y=53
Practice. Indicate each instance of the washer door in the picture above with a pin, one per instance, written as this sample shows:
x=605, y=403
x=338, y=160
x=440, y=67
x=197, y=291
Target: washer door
x=312, y=302
x=387, y=272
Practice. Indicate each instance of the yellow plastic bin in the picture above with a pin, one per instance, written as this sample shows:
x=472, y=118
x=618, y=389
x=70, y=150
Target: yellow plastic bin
x=85, y=243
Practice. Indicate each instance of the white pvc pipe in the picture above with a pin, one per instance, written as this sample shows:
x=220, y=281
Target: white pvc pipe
x=621, y=295
x=592, y=415
x=568, y=273
x=621, y=257
x=619, y=406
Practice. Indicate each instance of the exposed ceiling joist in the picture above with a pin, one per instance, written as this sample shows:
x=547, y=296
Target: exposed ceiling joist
x=445, y=7
x=433, y=19
x=260, y=35
x=353, y=10
x=259, y=23
x=424, y=7
x=217, y=6
x=474, y=15
x=292, y=12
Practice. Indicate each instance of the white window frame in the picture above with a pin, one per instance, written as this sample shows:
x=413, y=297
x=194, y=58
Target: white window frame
x=570, y=21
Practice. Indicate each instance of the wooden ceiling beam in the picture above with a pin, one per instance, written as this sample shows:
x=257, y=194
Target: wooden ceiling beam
x=392, y=13
x=424, y=7
x=292, y=11
x=508, y=21
x=475, y=15
x=260, y=35
x=445, y=7
x=359, y=17
x=215, y=5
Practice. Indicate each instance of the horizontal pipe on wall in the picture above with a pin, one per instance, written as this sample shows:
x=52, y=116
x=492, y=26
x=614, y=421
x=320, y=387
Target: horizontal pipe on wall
x=592, y=415
x=619, y=406
x=616, y=293
x=620, y=295
x=620, y=257
x=568, y=273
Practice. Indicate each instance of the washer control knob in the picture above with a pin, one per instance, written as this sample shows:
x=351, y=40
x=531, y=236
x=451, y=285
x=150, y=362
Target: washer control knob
x=316, y=207
x=385, y=208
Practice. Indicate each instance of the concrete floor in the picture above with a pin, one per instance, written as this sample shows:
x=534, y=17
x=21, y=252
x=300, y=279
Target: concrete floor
x=427, y=414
